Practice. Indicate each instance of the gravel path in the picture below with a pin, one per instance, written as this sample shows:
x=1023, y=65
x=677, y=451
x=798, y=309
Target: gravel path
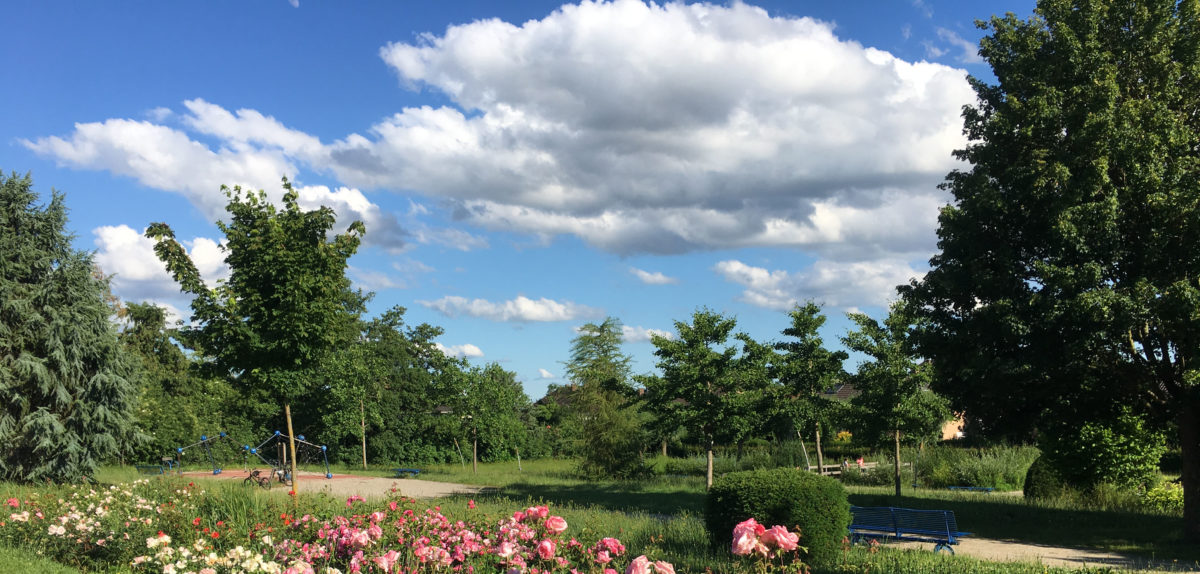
x=371, y=487
x=1009, y=551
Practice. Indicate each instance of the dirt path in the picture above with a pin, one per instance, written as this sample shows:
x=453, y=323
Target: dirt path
x=1009, y=551
x=370, y=487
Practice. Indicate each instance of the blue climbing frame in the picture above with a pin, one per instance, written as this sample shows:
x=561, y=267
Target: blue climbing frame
x=278, y=436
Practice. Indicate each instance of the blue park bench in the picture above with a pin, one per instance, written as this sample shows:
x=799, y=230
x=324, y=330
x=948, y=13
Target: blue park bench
x=972, y=488
x=150, y=469
x=890, y=523
x=404, y=472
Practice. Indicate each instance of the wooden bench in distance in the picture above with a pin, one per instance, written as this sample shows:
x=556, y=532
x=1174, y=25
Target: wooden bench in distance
x=888, y=523
x=150, y=469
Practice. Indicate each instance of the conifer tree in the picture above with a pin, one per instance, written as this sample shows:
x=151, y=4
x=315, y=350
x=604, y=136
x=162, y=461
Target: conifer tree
x=66, y=386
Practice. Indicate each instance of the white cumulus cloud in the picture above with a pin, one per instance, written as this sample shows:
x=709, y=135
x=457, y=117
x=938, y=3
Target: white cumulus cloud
x=520, y=309
x=465, y=350
x=652, y=278
x=641, y=334
x=543, y=373
x=827, y=282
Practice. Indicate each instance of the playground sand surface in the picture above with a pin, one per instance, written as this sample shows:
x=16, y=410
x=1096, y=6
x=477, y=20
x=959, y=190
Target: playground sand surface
x=370, y=487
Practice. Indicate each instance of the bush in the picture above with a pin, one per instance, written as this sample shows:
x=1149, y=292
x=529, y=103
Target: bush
x=1000, y=467
x=1121, y=450
x=1166, y=498
x=815, y=504
x=1043, y=482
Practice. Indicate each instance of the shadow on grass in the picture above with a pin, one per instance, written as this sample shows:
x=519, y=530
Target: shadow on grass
x=991, y=517
x=617, y=497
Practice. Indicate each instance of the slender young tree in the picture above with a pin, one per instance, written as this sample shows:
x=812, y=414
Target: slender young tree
x=895, y=402
x=712, y=389
x=804, y=368
x=66, y=385
x=285, y=303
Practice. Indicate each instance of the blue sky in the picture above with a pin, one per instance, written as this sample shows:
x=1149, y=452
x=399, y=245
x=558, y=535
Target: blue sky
x=522, y=167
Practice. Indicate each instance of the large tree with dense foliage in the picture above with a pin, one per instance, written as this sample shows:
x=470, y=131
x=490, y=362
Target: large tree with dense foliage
x=1067, y=280
x=709, y=388
x=286, y=301
x=66, y=385
x=894, y=401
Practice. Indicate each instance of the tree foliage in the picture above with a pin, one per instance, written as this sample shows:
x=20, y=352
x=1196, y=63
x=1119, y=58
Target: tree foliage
x=805, y=368
x=66, y=385
x=1067, y=278
x=713, y=390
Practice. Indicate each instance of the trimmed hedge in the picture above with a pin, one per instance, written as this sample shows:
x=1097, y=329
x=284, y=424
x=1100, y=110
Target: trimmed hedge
x=783, y=496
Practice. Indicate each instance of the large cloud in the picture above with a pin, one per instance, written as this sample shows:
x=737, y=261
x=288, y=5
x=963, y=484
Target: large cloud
x=640, y=128
x=520, y=309
x=667, y=128
x=838, y=284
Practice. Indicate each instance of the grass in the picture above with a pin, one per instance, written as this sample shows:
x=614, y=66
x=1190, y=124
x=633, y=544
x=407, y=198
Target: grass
x=13, y=560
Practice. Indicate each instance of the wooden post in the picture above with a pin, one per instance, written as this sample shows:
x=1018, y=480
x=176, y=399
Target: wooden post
x=820, y=456
x=519, y=469
x=474, y=448
x=897, y=462
x=709, y=475
x=362, y=417
x=287, y=412
x=807, y=463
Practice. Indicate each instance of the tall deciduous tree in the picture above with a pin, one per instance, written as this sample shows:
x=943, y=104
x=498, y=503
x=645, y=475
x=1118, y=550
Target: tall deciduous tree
x=66, y=385
x=1068, y=273
x=805, y=368
x=285, y=303
x=895, y=402
x=712, y=389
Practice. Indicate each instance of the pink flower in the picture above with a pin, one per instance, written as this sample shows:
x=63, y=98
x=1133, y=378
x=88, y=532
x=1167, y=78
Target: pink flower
x=745, y=537
x=556, y=524
x=545, y=549
x=779, y=537
x=609, y=571
x=14, y=502
x=471, y=504
x=662, y=567
x=640, y=565
x=602, y=557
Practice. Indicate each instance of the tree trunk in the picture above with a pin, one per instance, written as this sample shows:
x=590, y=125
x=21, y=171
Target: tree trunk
x=474, y=451
x=820, y=455
x=362, y=417
x=1189, y=441
x=709, y=474
x=897, y=462
x=519, y=469
x=287, y=412
x=664, y=447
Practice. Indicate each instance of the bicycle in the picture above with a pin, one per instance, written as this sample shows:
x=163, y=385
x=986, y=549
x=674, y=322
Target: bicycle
x=256, y=477
x=283, y=476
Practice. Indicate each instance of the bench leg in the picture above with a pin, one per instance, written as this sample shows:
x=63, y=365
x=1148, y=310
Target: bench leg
x=941, y=545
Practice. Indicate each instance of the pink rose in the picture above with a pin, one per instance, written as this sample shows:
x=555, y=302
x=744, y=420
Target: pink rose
x=556, y=524
x=602, y=557
x=779, y=537
x=662, y=567
x=640, y=565
x=14, y=502
x=545, y=549
x=745, y=537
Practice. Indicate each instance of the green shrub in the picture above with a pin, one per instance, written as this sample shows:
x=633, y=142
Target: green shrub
x=1166, y=498
x=1000, y=467
x=815, y=504
x=1043, y=482
x=1121, y=450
